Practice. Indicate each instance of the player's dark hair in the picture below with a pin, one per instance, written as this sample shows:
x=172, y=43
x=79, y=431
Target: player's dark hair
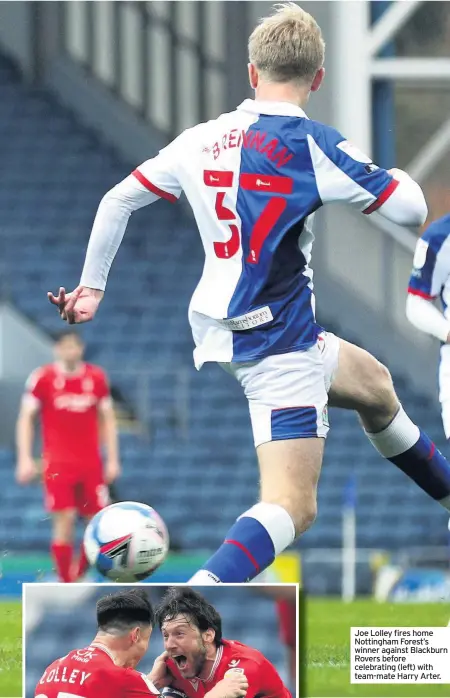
x=187, y=602
x=128, y=607
x=63, y=334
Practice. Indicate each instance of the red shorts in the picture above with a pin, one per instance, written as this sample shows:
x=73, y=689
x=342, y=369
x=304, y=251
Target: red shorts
x=286, y=614
x=68, y=488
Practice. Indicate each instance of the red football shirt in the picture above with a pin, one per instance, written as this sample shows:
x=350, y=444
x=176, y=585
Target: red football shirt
x=263, y=679
x=91, y=673
x=287, y=617
x=69, y=404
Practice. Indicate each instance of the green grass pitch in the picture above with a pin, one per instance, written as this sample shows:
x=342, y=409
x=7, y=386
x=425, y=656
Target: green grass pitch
x=327, y=644
x=10, y=648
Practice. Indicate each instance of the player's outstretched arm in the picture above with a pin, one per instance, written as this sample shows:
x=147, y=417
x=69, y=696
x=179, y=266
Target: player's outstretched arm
x=153, y=180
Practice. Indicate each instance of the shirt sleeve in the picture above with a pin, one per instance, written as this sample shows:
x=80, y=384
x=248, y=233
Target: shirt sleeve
x=346, y=174
x=429, y=272
x=159, y=175
x=102, y=388
x=154, y=179
x=34, y=393
x=263, y=679
x=137, y=685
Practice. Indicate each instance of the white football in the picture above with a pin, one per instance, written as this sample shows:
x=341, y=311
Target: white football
x=126, y=542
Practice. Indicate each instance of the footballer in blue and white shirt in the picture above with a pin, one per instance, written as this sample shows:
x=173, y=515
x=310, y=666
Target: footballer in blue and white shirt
x=254, y=178
x=430, y=282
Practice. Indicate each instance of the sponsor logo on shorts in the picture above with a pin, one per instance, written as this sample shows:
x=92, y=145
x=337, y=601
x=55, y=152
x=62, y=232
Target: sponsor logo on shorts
x=325, y=419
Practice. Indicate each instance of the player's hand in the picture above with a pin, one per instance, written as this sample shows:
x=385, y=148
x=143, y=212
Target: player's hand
x=78, y=306
x=160, y=675
x=233, y=685
x=112, y=471
x=26, y=471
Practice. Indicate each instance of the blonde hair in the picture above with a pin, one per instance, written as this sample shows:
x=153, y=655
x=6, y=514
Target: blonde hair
x=287, y=45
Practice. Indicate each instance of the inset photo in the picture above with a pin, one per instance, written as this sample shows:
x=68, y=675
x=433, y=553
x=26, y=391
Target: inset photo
x=143, y=640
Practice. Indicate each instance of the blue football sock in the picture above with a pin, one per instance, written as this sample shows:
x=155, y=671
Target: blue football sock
x=424, y=464
x=413, y=452
x=250, y=545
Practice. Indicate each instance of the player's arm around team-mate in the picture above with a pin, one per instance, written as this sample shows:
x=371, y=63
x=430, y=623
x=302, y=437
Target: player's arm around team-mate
x=430, y=280
x=199, y=662
x=254, y=177
x=107, y=667
x=72, y=398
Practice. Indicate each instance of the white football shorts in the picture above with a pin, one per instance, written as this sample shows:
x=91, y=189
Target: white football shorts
x=444, y=388
x=288, y=393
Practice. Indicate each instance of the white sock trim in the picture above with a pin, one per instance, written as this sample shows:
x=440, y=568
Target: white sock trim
x=204, y=578
x=277, y=523
x=398, y=437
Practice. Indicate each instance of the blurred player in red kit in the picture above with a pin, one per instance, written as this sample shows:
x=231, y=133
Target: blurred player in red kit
x=106, y=668
x=286, y=609
x=199, y=659
x=77, y=414
x=285, y=597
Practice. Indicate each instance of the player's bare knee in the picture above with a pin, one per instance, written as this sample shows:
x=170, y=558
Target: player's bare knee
x=385, y=377
x=384, y=400
x=306, y=517
x=379, y=403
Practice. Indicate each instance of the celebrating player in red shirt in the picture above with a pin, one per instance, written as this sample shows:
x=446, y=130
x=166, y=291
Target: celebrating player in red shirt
x=106, y=668
x=74, y=402
x=198, y=659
